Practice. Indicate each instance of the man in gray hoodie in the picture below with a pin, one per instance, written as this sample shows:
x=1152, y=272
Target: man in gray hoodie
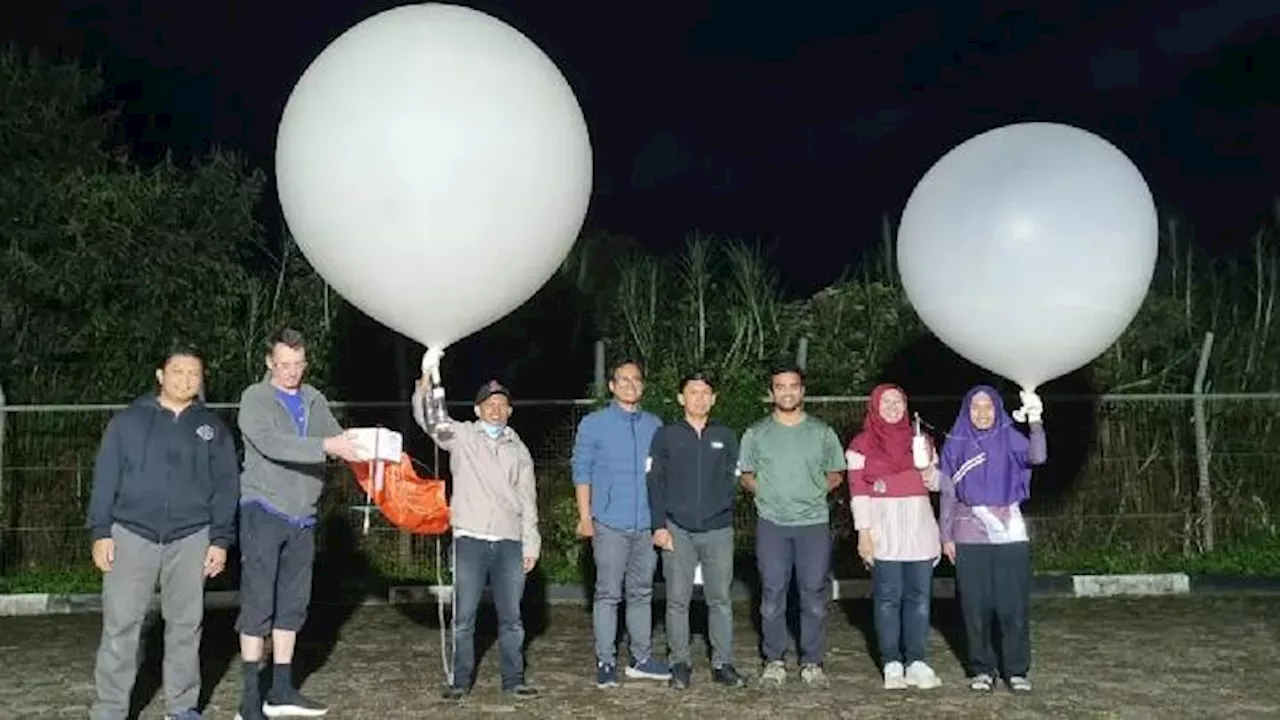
x=288, y=431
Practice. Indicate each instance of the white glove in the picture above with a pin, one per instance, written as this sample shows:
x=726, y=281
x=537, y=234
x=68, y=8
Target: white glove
x=1032, y=407
x=431, y=363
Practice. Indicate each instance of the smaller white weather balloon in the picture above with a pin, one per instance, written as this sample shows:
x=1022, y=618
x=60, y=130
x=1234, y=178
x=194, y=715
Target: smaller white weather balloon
x=1029, y=249
x=435, y=168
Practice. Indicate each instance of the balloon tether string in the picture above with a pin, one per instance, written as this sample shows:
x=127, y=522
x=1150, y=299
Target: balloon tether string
x=446, y=648
x=449, y=645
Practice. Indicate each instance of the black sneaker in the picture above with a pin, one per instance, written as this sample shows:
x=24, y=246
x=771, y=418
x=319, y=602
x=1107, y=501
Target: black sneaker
x=250, y=709
x=681, y=674
x=726, y=675
x=291, y=703
x=521, y=691
x=454, y=693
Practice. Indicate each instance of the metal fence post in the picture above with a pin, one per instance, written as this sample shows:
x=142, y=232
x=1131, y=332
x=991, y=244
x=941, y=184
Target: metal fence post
x=599, y=368
x=1205, y=489
x=4, y=506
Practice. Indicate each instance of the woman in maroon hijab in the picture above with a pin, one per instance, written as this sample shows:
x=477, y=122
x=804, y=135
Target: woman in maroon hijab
x=897, y=535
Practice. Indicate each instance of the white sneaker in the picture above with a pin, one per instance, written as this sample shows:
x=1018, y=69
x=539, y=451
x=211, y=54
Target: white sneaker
x=922, y=676
x=813, y=676
x=894, y=676
x=1019, y=684
x=774, y=675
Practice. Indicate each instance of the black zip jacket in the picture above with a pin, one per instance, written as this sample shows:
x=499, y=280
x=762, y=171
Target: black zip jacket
x=692, y=477
x=165, y=477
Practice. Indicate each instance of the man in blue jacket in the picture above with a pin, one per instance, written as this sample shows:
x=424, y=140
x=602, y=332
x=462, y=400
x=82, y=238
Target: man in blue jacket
x=162, y=509
x=610, y=457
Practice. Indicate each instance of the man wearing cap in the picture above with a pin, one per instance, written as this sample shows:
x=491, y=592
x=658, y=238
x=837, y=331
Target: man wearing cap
x=494, y=513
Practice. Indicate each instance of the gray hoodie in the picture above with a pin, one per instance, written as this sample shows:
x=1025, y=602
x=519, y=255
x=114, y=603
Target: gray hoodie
x=283, y=470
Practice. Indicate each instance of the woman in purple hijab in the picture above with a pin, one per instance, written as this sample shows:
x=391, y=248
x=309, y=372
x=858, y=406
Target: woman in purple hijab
x=985, y=477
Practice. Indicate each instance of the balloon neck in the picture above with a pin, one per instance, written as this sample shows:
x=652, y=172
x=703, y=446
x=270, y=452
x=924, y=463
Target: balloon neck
x=428, y=367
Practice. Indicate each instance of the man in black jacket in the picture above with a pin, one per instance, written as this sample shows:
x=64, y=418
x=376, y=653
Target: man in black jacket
x=163, y=508
x=693, y=483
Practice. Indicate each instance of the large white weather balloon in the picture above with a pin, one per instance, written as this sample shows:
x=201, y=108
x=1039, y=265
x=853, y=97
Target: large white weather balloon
x=1028, y=249
x=435, y=168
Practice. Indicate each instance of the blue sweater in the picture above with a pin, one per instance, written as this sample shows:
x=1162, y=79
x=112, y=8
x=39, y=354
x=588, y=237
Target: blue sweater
x=611, y=453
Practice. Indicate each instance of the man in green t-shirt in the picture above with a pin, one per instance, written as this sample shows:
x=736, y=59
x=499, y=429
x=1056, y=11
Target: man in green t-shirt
x=791, y=462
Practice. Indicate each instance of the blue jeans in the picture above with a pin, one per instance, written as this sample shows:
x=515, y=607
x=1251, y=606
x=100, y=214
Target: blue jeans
x=625, y=561
x=902, y=591
x=500, y=565
x=806, y=549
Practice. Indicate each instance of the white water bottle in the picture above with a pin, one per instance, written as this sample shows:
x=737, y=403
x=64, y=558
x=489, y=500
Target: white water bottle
x=920, y=447
x=436, y=412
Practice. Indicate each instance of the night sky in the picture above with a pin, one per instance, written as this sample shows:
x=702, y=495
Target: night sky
x=798, y=126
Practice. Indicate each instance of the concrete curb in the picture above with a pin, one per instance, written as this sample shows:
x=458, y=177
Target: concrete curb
x=1054, y=585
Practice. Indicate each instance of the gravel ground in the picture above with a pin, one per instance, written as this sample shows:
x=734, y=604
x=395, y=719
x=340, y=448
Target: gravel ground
x=1190, y=656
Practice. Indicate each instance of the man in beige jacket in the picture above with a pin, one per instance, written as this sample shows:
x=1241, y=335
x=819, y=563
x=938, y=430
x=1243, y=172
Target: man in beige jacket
x=494, y=512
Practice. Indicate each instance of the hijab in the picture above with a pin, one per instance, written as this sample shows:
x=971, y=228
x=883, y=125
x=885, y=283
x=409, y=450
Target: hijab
x=885, y=445
x=987, y=466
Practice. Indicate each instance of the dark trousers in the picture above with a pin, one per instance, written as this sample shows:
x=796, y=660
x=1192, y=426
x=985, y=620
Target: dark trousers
x=994, y=584
x=806, y=550
x=902, y=591
x=500, y=566
x=276, y=561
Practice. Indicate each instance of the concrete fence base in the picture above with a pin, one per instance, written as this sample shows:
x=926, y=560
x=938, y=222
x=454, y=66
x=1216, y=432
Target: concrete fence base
x=1057, y=585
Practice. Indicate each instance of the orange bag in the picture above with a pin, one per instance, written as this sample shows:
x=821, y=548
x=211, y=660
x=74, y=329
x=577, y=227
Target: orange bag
x=407, y=501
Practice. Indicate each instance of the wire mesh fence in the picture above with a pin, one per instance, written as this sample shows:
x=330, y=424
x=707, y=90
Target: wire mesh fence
x=1123, y=476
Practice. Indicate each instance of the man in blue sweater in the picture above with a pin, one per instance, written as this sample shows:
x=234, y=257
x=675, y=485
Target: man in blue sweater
x=610, y=459
x=162, y=509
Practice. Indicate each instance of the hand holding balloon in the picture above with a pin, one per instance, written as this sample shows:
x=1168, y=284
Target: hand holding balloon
x=1032, y=408
x=437, y=414
x=431, y=363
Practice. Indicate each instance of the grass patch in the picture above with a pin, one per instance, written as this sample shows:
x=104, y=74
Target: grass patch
x=54, y=582
x=1256, y=557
